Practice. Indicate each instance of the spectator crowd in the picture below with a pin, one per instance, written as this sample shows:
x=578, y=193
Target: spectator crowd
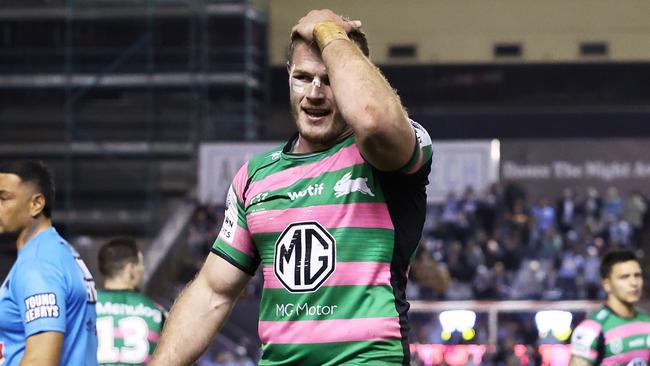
x=502, y=246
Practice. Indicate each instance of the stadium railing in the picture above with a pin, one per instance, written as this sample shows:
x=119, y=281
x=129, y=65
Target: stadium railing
x=494, y=308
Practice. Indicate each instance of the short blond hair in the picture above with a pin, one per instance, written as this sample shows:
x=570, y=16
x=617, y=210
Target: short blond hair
x=357, y=36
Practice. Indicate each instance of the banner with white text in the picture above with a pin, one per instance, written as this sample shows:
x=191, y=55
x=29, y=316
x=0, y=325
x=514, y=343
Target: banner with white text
x=545, y=167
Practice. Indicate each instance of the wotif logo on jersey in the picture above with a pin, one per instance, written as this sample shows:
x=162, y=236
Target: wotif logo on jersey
x=347, y=185
x=311, y=190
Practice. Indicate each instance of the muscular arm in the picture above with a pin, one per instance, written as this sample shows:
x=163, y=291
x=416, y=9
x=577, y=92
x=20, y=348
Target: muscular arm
x=199, y=312
x=370, y=106
x=364, y=97
x=43, y=349
x=579, y=361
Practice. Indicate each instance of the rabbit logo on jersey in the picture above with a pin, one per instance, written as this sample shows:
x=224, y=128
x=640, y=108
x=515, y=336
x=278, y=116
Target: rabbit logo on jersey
x=616, y=346
x=347, y=185
x=305, y=256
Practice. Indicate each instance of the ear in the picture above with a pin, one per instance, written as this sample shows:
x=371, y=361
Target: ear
x=128, y=271
x=606, y=285
x=128, y=268
x=37, y=204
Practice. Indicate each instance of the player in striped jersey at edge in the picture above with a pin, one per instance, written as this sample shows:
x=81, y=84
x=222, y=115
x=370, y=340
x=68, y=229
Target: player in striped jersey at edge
x=618, y=333
x=128, y=323
x=332, y=216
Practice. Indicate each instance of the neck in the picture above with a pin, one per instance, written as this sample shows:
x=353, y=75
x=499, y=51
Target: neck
x=118, y=284
x=302, y=146
x=35, y=226
x=624, y=310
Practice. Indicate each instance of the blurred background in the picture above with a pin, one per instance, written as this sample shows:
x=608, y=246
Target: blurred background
x=540, y=112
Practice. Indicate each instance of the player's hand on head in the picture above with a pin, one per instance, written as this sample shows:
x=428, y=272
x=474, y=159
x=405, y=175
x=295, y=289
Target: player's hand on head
x=306, y=24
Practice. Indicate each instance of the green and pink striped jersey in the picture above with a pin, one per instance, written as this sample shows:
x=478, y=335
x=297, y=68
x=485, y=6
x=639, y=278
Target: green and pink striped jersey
x=128, y=327
x=607, y=339
x=334, y=237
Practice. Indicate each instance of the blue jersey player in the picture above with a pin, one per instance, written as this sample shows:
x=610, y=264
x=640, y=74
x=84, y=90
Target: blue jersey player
x=47, y=302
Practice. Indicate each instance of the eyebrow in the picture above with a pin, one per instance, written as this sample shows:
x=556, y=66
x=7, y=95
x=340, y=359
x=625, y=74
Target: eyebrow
x=300, y=71
x=630, y=274
x=305, y=72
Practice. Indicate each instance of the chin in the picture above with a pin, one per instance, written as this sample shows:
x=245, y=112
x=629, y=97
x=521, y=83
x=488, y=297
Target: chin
x=319, y=135
x=631, y=301
x=326, y=139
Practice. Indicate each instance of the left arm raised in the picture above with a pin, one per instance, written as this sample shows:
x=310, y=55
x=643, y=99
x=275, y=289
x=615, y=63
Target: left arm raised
x=364, y=97
x=370, y=106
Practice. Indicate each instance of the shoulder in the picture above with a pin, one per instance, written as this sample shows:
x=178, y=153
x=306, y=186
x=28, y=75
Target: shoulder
x=104, y=295
x=591, y=328
x=643, y=315
x=600, y=315
x=252, y=168
x=587, y=327
x=40, y=270
x=40, y=264
x=265, y=159
x=423, y=136
x=421, y=159
x=158, y=312
x=256, y=163
x=585, y=339
x=47, y=247
x=144, y=299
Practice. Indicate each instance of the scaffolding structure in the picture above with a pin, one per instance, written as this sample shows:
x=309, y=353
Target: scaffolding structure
x=116, y=96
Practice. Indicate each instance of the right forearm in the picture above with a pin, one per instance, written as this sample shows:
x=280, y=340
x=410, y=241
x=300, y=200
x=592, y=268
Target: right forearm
x=193, y=322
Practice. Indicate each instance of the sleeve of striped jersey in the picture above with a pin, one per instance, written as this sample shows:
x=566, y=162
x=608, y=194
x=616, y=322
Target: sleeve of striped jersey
x=584, y=340
x=234, y=242
x=422, y=152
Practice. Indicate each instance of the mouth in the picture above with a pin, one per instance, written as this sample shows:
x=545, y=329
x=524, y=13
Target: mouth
x=316, y=114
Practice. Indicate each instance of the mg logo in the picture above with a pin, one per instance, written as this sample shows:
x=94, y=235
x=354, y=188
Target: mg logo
x=305, y=256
